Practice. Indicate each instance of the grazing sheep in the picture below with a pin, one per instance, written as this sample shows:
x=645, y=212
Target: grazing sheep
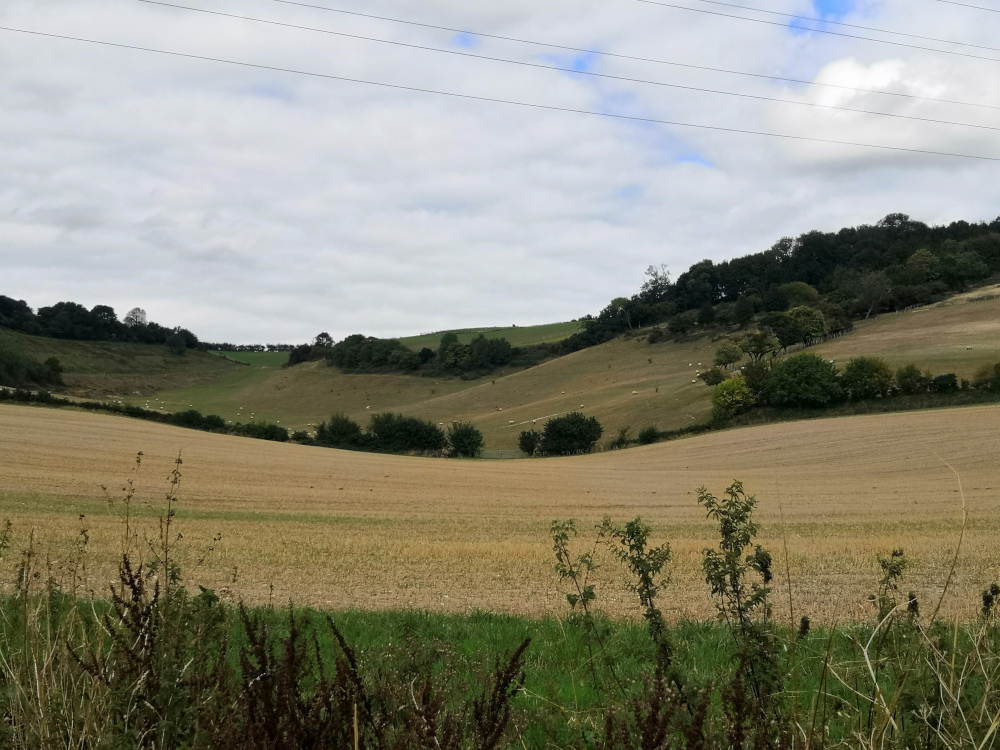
x=511, y=422
x=635, y=393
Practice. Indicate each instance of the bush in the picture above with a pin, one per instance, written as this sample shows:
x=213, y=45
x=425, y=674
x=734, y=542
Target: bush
x=340, y=432
x=301, y=436
x=867, y=377
x=911, y=381
x=464, y=440
x=261, y=431
x=945, y=383
x=528, y=441
x=573, y=433
x=731, y=397
x=803, y=380
x=19, y=371
x=756, y=375
x=713, y=376
x=987, y=378
x=395, y=433
x=648, y=435
x=622, y=439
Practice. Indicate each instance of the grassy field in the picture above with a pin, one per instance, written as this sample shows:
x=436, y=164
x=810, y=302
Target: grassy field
x=516, y=335
x=339, y=530
x=97, y=369
x=256, y=359
x=957, y=335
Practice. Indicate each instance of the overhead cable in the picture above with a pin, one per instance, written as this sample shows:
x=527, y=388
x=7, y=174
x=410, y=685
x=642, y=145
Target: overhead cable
x=827, y=21
x=572, y=71
x=630, y=57
x=821, y=31
x=495, y=100
x=966, y=5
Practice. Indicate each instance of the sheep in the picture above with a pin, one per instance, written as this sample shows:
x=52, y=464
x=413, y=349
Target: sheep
x=635, y=393
x=511, y=422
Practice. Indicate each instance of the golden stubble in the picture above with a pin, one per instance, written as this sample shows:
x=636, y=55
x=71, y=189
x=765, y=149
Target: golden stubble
x=338, y=529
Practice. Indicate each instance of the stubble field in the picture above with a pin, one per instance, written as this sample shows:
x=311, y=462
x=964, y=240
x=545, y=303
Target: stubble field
x=340, y=530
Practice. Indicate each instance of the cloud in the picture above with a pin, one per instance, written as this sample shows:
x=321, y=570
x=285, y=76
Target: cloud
x=256, y=205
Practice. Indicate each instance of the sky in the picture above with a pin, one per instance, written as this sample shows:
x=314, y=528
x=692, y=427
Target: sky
x=251, y=204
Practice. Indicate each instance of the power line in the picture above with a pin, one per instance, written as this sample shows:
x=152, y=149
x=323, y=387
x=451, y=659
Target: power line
x=821, y=31
x=632, y=57
x=966, y=5
x=572, y=70
x=494, y=100
x=846, y=25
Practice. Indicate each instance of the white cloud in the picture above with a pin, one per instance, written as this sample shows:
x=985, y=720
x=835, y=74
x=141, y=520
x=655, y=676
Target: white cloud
x=253, y=205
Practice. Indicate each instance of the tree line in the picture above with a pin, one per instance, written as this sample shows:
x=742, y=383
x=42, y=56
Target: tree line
x=395, y=433
x=367, y=354
x=70, y=320
x=846, y=275
x=806, y=380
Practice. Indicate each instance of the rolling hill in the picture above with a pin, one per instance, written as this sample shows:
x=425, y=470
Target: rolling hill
x=626, y=382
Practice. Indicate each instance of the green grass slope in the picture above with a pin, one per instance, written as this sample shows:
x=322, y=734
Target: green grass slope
x=516, y=335
x=97, y=369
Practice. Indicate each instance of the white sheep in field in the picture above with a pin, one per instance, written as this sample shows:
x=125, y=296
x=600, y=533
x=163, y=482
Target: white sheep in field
x=511, y=422
x=635, y=393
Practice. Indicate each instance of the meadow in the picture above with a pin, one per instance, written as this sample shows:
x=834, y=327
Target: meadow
x=340, y=530
x=546, y=333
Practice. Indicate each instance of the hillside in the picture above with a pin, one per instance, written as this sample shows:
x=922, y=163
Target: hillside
x=339, y=529
x=601, y=378
x=516, y=335
x=957, y=335
x=97, y=369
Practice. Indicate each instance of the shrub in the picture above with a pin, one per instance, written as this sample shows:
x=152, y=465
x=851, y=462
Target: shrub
x=301, y=436
x=622, y=439
x=945, y=383
x=656, y=336
x=261, y=431
x=464, y=440
x=340, y=432
x=867, y=377
x=731, y=397
x=713, y=376
x=756, y=375
x=573, y=433
x=803, y=380
x=910, y=380
x=987, y=378
x=648, y=435
x=528, y=441
x=395, y=433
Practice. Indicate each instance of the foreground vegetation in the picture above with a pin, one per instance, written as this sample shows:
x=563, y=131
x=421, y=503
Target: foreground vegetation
x=154, y=665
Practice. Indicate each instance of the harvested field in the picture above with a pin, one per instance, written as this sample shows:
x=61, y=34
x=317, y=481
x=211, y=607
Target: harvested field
x=338, y=529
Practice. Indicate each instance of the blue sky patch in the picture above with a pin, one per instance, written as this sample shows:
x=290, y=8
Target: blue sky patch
x=833, y=9
x=582, y=63
x=465, y=40
x=694, y=158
